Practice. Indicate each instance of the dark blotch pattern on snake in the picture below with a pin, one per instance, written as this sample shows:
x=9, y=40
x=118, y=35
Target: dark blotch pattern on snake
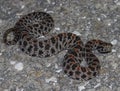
x=31, y=26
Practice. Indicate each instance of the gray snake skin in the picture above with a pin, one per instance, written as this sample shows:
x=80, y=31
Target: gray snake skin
x=30, y=27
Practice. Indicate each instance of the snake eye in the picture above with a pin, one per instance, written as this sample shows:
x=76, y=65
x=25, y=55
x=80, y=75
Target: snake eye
x=104, y=48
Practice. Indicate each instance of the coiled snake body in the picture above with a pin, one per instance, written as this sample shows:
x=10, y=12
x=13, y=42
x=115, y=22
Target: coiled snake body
x=31, y=26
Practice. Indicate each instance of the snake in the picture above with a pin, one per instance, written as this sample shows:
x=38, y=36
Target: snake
x=30, y=27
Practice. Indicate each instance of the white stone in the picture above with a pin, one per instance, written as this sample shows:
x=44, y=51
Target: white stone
x=45, y=9
x=119, y=56
x=103, y=15
x=113, y=50
x=48, y=65
x=42, y=37
x=0, y=53
x=115, y=65
x=23, y=6
x=114, y=42
x=52, y=79
x=2, y=50
x=19, y=15
x=50, y=11
x=115, y=20
x=118, y=3
x=80, y=88
x=56, y=66
x=59, y=70
x=17, y=89
x=109, y=24
x=97, y=85
x=98, y=19
x=84, y=17
x=19, y=66
x=12, y=62
x=57, y=28
x=76, y=32
x=1, y=78
x=49, y=1
x=61, y=4
x=53, y=3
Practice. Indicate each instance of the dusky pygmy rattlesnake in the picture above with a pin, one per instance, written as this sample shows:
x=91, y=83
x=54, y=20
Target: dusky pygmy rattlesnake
x=27, y=30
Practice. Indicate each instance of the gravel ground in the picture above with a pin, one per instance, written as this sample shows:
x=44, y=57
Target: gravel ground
x=99, y=19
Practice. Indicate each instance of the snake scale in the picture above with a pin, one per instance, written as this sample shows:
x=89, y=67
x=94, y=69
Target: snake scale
x=30, y=27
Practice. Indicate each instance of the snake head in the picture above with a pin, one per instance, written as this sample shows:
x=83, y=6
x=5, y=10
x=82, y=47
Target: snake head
x=104, y=47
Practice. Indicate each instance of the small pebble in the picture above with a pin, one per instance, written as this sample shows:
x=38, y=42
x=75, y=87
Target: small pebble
x=84, y=17
x=97, y=85
x=115, y=65
x=49, y=1
x=50, y=12
x=48, y=64
x=19, y=66
x=23, y=6
x=12, y=62
x=42, y=37
x=76, y=32
x=98, y=19
x=80, y=88
x=114, y=42
x=56, y=66
x=0, y=53
x=109, y=24
x=113, y=50
x=59, y=70
x=119, y=56
x=118, y=3
x=57, y=28
x=1, y=78
x=17, y=89
x=52, y=79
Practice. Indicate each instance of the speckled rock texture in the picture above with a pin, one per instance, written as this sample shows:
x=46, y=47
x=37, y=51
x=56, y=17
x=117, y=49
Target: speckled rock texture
x=98, y=19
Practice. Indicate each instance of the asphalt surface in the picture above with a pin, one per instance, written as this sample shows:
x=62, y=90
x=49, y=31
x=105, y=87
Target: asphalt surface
x=90, y=19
